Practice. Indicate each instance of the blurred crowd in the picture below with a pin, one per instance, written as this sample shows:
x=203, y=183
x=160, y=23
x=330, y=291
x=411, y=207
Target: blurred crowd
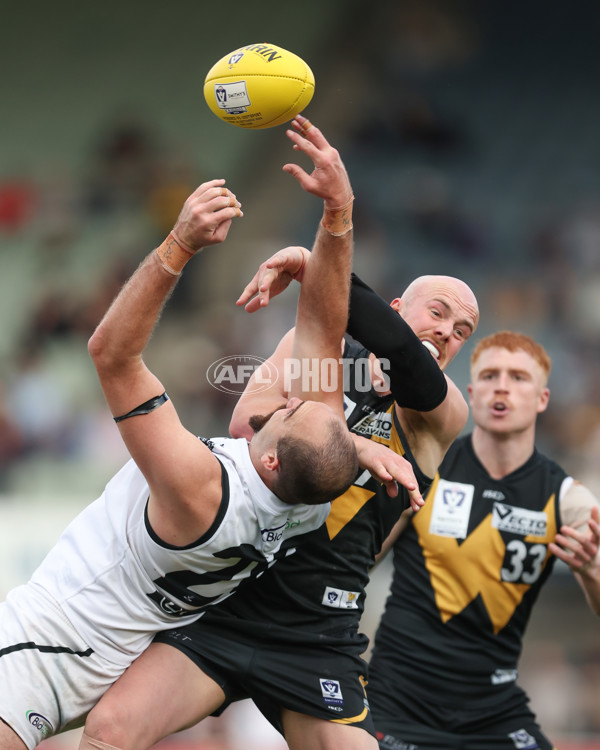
x=67, y=245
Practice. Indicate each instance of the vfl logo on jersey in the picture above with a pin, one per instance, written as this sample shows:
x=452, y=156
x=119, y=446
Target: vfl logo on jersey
x=40, y=722
x=523, y=740
x=519, y=520
x=332, y=694
x=378, y=424
x=340, y=599
x=451, y=509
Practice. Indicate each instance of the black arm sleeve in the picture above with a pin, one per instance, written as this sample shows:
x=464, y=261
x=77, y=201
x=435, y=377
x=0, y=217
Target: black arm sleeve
x=415, y=378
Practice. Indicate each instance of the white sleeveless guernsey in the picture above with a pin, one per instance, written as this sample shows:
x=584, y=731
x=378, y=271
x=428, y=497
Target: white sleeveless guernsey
x=119, y=584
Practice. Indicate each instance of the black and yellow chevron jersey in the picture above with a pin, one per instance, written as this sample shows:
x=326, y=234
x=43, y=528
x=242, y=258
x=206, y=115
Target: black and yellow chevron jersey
x=467, y=572
x=320, y=588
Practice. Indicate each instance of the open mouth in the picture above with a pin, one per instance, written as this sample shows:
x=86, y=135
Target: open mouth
x=499, y=406
x=431, y=349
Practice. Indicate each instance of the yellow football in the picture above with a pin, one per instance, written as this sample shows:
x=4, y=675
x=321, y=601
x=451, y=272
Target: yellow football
x=259, y=86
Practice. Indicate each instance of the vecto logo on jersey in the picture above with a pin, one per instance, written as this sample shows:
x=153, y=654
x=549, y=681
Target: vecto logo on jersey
x=519, y=520
x=379, y=424
x=40, y=722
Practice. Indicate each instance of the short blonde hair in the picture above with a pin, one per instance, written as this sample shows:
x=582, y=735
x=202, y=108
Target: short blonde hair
x=514, y=342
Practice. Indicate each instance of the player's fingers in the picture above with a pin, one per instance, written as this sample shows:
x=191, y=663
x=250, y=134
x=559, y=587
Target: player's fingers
x=214, y=185
x=249, y=291
x=302, y=123
x=215, y=199
x=309, y=131
x=279, y=260
x=226, y=214
x=401, y=476
x=391, y=488
x=566, y=542
x=416, y=500
x=312, y=147
x=559, y=553
x=253, y=305
x=288, y=259
x=266, y=278
x=407, y=481
x=576, y=537
x=575, y=550
x=297, y=172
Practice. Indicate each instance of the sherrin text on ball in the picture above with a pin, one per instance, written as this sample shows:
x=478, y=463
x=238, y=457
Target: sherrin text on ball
x=259, y=86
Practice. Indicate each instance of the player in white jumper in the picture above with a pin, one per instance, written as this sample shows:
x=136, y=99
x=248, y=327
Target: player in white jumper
x=186, y=519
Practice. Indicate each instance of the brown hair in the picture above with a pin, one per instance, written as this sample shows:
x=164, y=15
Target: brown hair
x=514, y=342
x=314, y=474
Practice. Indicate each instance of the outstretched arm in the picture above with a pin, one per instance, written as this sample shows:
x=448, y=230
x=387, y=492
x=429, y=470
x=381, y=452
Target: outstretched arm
x=322, y=311
x=171, y=458
x=415, y=379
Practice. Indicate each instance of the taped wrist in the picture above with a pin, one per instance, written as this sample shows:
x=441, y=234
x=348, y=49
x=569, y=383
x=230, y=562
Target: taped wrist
x=415, y=378
x=173, y=255
x=338, y=221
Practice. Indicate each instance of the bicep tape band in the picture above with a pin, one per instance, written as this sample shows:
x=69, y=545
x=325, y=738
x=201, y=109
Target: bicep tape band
x=144, y=408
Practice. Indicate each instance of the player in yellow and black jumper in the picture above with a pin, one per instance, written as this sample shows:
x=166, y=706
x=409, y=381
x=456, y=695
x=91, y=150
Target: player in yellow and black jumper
x=290, y=639
x=469, y=566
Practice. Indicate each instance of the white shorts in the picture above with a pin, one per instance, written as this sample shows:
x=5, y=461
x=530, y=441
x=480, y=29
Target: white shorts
x=49, y=677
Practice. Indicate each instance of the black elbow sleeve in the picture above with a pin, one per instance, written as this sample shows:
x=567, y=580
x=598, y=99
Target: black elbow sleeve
x=416, y=380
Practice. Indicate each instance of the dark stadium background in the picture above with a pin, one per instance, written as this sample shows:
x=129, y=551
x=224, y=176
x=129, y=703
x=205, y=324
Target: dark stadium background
x=470, y=131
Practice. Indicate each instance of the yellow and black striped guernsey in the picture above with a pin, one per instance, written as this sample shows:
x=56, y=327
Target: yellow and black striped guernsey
x=467, y=572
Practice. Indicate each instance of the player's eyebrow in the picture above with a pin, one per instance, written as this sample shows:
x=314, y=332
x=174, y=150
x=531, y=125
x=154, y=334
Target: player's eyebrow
x=291, y=414
x=464, y=322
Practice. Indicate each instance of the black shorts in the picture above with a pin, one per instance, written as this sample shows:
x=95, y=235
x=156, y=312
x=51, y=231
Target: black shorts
x=324, y=681
x=406, y=721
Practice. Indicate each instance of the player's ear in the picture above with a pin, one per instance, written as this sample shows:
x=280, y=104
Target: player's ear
x=396, y=304
x=544, y=398
x=270, y=460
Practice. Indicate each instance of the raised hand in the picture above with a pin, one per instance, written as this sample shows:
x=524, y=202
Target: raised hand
x=329, y=179
x=273, y=277
x=206, y=216
x=579, y=549
x=389, y=468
